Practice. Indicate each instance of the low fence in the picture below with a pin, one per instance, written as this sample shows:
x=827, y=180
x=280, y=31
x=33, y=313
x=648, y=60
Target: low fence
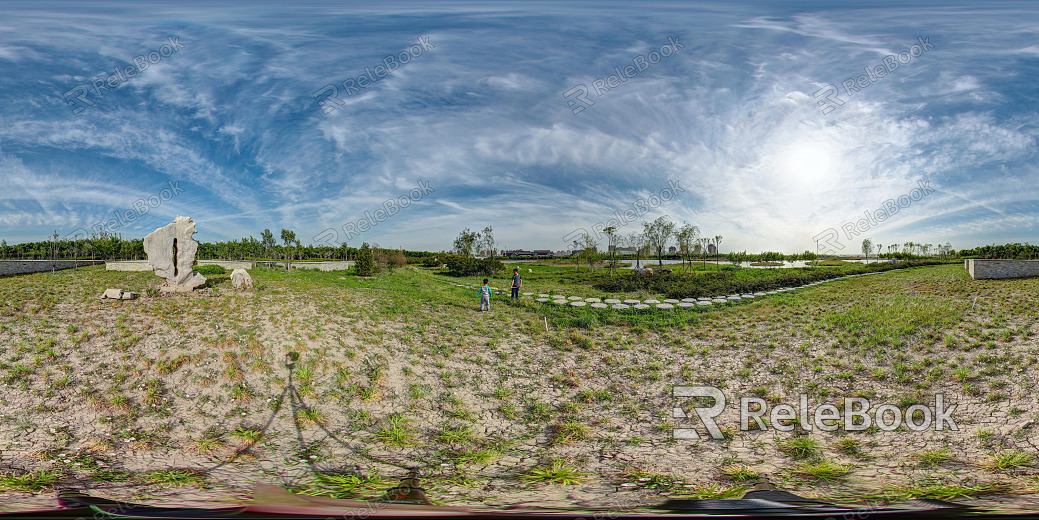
x=9, y=267
x=143, y=265
x=982, y=269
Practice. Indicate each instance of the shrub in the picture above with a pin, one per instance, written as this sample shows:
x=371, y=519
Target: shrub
x=208, y=270
x=365, y=262
x=465, y=266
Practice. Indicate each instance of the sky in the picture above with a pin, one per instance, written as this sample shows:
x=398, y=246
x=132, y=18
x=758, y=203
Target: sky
x=784, y=126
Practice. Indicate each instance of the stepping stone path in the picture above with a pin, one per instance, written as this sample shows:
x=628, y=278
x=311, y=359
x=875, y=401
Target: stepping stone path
x=667, y=304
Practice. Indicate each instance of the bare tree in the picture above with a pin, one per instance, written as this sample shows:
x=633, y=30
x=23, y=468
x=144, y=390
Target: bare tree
x=686, y=237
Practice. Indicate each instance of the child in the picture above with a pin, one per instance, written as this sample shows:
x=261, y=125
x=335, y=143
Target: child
x=517, y=282
x=485, y=296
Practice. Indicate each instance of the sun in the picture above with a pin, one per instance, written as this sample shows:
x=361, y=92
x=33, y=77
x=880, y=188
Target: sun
x=806, y=162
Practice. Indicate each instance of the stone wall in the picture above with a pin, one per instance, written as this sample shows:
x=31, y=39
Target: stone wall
x=230, y=265
x=990, y=269
x=142, y=265
x=129, y=265
x=8, y=267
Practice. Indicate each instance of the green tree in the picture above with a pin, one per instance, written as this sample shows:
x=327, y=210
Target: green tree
x=658, y=234
x=267, y=241
x=365, y=261
x=465, y=242
x=486, y=239
x=867, y=246
x=289, y=237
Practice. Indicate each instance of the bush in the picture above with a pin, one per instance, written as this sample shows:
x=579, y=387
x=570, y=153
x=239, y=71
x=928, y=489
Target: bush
x=703, y=284
x=209, y=270
x=365, y=262
x=430, y=261
x=465, y=266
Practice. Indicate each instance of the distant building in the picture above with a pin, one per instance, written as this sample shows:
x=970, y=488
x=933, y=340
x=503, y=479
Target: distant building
x=672, y=250
x=542, y=252
x=712, y=249
x=624, y=250
x=518, y=253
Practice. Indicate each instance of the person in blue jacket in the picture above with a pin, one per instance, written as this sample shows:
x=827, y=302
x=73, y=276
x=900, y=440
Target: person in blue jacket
x=485, y=296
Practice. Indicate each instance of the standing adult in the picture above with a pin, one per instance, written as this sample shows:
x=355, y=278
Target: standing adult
x=517, y=282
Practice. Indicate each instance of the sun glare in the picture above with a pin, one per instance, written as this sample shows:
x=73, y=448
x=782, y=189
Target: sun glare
x=806, y=162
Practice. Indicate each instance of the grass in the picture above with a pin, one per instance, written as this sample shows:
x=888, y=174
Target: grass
x=556, y=472
x=801, y=447
x=401, y=368
x=29, y=481
x=1009, y=460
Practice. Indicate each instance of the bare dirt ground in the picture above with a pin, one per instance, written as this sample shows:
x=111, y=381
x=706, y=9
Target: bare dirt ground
x=180, y=399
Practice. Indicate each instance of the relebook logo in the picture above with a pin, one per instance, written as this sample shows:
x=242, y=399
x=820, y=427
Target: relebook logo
x=856, y=414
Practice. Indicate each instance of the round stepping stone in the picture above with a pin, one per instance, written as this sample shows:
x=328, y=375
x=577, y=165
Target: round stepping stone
x=598, y=305
x=686, y=305
x=719, y=300
x=632, y=302
x=528, y=294
x=558, y=297
x=575, y=298
x=543, y=296
x=592, y=300
x=733, y=298
x=611, y=301
x=771, y=292
x=577, y=304
x=747, y=296
x=703, y=303
x=541, y=300
x=560, y=302
x=640, y=306
x=759, y=294
x=688, y=300
x=665, y=306
x=620, y=306
x=703, y=299
x=672, y=301
x=652, y=302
